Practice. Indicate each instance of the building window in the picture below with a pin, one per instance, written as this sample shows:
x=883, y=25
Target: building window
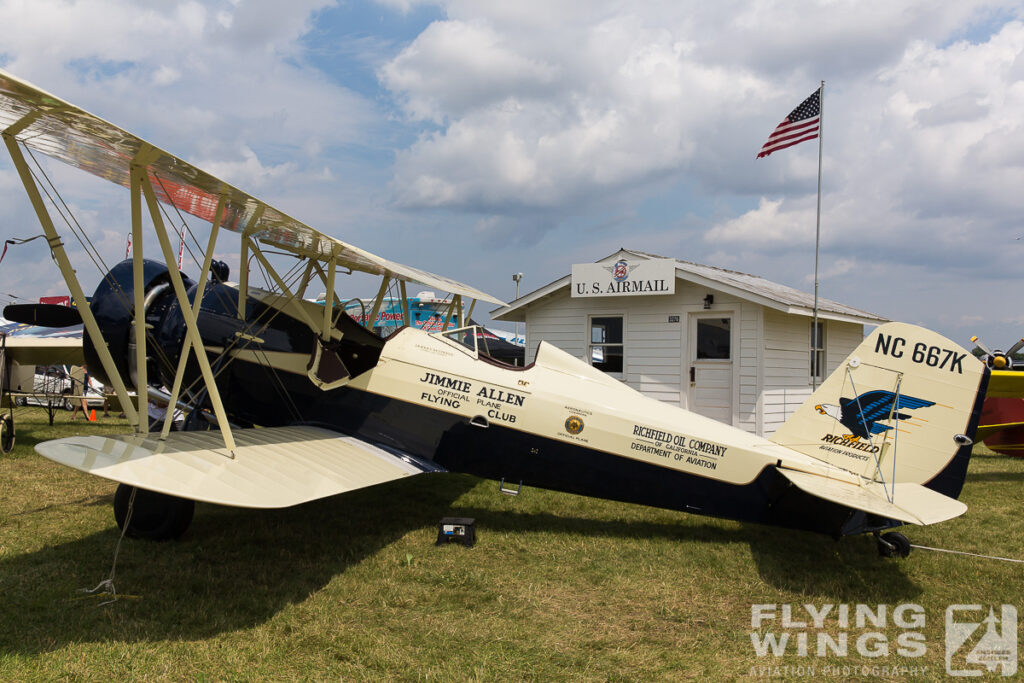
x=606, y=347
x=714, y=338
x=817, y=351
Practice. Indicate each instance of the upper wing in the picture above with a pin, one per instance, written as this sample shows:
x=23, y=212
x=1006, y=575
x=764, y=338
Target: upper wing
x=274, y=467
x=61, y=130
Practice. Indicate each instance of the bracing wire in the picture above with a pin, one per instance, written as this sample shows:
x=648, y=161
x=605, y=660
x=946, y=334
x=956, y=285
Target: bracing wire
x=69, y=218
x=184, y=223
x=76, y=229
x=108, y=583
x=256, y=326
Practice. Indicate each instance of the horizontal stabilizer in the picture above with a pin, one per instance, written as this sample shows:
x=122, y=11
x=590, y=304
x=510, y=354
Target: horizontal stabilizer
x=911, y=503
x=272, y=468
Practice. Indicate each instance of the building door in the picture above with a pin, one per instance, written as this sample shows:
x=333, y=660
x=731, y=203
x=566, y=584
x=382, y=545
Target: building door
x=710, y=368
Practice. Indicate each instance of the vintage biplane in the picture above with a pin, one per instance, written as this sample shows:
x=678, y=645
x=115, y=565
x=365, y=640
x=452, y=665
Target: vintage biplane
x=291, y=401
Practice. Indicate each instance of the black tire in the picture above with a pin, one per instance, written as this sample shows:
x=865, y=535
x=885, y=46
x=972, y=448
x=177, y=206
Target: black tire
x=21, y=401
x=155, y=516
x=893, y=544
x=6, y=434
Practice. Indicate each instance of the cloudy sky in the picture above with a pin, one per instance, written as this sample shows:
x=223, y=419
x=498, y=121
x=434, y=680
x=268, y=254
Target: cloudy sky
x=477, y=139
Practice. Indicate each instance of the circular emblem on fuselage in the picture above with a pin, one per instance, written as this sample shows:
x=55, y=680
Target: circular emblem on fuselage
x=574, y=425
x=620, y=271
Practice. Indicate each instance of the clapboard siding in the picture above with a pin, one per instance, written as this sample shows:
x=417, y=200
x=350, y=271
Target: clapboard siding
x=652, y=344
x=771, y=349
x=840, y=341
x=786, y=367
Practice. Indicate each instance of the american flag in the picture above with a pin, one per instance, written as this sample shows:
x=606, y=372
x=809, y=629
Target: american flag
x=801, y=125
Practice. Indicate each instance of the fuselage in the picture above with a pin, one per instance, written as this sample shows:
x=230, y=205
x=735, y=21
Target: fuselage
x=557, y=423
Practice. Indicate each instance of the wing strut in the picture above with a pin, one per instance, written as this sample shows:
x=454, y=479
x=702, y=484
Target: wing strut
x=332, y=266
x=406, y=320
x=307, y=275
x=372, y=319
x=299, y=310
x=243, y=262
x=137, y=172
x=196, y=305
x=57, y=249
x=191, y=328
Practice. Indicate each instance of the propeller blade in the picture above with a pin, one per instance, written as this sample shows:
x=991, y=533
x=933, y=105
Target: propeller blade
x=977, y=342
x=1015, y=348
x=43, y=315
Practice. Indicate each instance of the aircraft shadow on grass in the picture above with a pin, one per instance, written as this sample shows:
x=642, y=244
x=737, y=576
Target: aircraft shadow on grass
x=86, y=501
x=237, y=568
x=802, y=562
x=847, y=571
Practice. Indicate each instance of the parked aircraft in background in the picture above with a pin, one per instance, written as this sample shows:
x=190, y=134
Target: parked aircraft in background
x=1001, y=427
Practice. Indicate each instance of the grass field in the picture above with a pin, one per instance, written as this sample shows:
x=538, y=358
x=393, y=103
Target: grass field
x=558, y=587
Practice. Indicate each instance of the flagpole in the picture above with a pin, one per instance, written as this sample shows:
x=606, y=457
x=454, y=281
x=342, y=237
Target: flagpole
x=817, y=240
x=817, y=237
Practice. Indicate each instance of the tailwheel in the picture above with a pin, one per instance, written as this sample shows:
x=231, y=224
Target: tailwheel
x=6, y=433
x=154, y=516
x=892, y=544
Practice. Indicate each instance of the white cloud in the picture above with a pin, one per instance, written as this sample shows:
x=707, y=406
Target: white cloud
x=765, y=224
x=544, y=133
x=165, y=75
x=550, y=108
x=222, y=84
x=226, y=73
x=493, y=70
x=249, y=172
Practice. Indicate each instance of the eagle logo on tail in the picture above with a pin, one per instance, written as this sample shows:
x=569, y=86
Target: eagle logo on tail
x=862, y=415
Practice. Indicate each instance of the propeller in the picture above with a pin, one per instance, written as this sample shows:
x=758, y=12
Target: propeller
x=998, y=360
x=43, y=315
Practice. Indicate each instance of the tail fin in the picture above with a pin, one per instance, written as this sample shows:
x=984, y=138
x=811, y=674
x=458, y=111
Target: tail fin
x=903, y=407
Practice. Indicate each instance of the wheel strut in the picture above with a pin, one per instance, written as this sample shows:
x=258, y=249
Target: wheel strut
x=892, y=544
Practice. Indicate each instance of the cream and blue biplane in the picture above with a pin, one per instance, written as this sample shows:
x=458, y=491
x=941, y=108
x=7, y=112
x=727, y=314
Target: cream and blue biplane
x=289, y=400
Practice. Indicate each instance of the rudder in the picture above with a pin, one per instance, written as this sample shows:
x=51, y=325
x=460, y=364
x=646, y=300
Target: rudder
x=903, y=407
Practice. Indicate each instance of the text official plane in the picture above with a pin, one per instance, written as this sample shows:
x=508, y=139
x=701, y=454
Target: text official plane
x=307, y=403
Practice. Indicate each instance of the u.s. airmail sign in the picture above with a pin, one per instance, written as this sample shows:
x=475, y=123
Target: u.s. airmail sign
x=624, y=278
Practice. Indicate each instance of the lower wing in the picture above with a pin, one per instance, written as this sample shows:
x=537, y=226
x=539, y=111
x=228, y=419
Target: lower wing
x=275, y=467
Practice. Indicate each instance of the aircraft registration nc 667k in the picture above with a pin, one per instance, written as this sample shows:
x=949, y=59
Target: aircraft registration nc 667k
x=289, y=400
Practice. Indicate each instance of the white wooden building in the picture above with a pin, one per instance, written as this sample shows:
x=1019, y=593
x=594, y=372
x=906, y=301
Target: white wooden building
x=729, y=345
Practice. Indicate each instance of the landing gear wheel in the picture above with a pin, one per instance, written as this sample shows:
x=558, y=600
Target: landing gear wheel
x=6, y=434
x=21, y=401
x=893, y=544
x=155, y=516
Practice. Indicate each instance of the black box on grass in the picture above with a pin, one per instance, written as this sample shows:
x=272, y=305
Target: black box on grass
x=457, y=530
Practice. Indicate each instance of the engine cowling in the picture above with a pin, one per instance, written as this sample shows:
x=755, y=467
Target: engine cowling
x=113, y=307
